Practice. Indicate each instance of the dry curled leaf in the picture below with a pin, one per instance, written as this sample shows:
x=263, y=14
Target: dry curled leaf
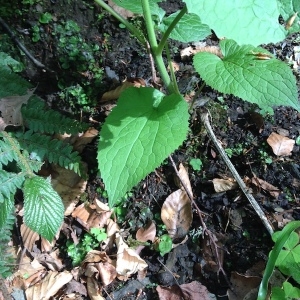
x=146, y=233
x=223, y=185
x=10, y=108
x=115, y=94
x=281, y=145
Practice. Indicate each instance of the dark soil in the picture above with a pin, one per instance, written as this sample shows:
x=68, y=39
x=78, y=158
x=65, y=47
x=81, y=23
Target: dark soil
x=242, y=238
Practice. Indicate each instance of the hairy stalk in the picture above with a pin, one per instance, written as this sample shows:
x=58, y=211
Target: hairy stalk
x=255, y=205
x=128, y=25
x=153, y=46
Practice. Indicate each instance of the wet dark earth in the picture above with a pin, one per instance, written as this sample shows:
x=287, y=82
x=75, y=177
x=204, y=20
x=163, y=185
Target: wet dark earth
x=242, y=240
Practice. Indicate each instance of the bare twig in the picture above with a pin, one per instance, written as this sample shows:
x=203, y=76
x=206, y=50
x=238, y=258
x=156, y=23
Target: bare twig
x=255, y=205
x=22, y=47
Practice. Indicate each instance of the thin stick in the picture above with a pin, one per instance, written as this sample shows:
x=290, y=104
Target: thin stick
x=22, y=47
x=253, y=202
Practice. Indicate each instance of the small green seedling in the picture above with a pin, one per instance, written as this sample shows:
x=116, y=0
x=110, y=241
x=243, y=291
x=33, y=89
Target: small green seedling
x=89, y=242
x=164, y=245
x=196, y=164
x=45, y=18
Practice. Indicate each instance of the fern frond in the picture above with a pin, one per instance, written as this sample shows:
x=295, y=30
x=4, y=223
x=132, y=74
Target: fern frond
x=55, y=151
x=11, y=83
x=6, y=258
x=7, y=153
x=41, y=119
x=9, y=183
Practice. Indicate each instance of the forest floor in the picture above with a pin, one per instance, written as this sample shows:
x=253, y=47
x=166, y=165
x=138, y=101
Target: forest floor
x=75, y=87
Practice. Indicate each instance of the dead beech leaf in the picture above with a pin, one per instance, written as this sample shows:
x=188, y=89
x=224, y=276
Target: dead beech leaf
x=10, y=108
x=115, y=94
x=169, y=293
x=185, y=179
x=29, y=237
x=120, y=10
x=128, y=261
x=147, y=233
x=94, y=289
x=176, y=213
x=223, y=185
x=281, y=145
x=195, y=291
x=49, y=285
x=242, y=285
x=271, y=189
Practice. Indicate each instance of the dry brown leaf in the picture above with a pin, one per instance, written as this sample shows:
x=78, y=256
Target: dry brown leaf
x=281, y=145
x=128, y=261
x=94, y=289
x=29, y=237
x=194, y=291
x=169, y=293
x=223, y=185
x=176, y=213
x=10, y=108
x=189, y=51
x=115, y=94
x=184, y=176
x=146, y=233
x=271, y=189
x=49, y=286
x=242, y=285
x=120, y=10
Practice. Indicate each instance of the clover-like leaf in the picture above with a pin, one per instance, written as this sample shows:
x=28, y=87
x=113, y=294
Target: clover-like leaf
x=252, y=22
x=44, y=210
x=249, y=73
x=140, y=132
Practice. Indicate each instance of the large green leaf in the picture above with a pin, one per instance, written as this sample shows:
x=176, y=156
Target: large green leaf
x=241, y=73
x=188, y=29
x=140, y=132
x=252, y=22
x=288, y=9
x=44, y=210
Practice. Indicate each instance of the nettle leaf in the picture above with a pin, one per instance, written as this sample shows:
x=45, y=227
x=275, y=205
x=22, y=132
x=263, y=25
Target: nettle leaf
x=140, y=132
x=242, y=73
x=44, y=210
x=136, y=6
x=288, y=11
x=188, y=29
x=248, y=22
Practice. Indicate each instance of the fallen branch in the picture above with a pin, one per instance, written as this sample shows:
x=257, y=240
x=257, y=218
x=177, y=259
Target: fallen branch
x=253, y=202
x=22, y=47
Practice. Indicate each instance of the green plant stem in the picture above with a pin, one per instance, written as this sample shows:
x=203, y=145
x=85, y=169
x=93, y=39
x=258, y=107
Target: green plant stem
x=153, y=46
x=128, y=25
x=173, y=77
x=287, y=230
x=163, y=41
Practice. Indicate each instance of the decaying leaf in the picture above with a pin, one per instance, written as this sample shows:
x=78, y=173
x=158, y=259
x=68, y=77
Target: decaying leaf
x=176, y=212
x=271, y=189
x=94, y=289
x=10, y=108
x=115, y=94
x=192, y=291
x=223, y=185
x=128, y=261
x=29, y=237
x=242, y=286
x=120, y=10
x=147, y=233
x=281, y=145
x=49, y=285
